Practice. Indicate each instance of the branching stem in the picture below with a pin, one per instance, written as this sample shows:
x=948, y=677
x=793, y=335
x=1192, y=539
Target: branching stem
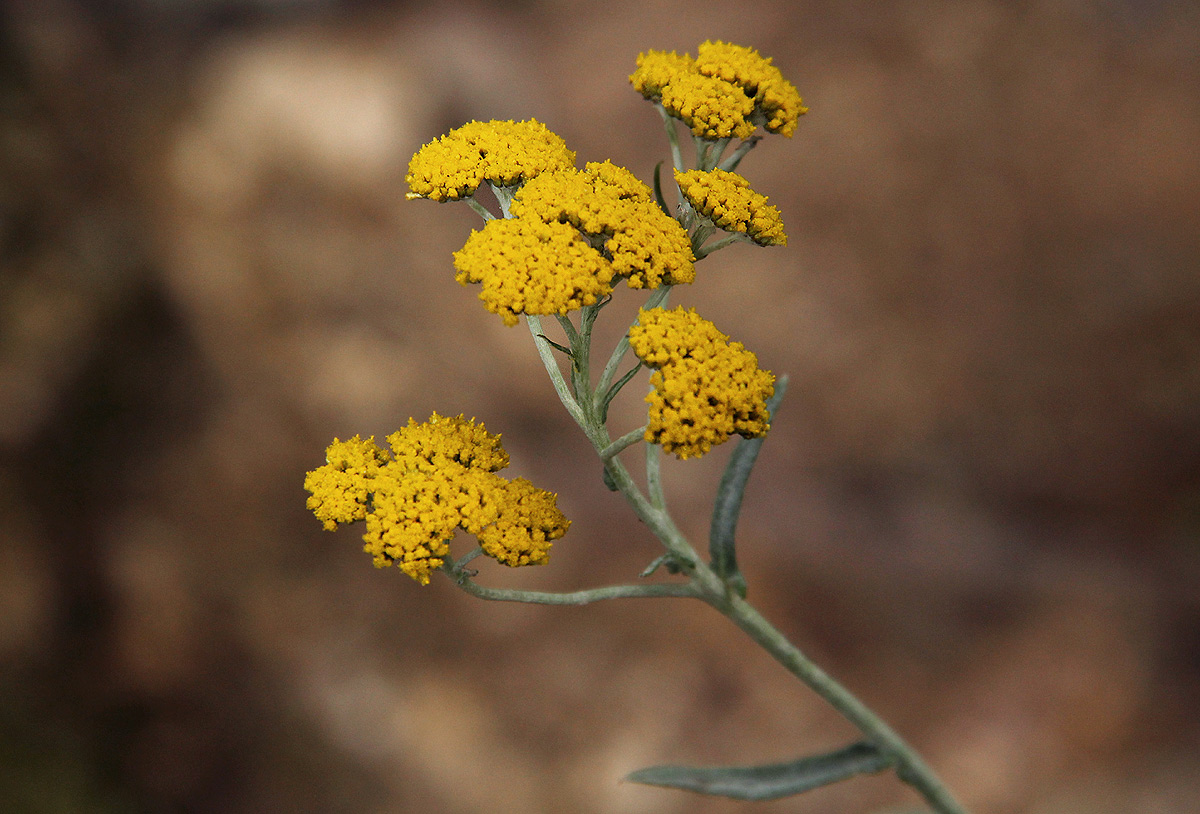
x=587, y=405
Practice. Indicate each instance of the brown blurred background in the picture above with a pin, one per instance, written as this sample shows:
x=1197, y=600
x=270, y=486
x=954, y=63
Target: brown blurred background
x=979, y=506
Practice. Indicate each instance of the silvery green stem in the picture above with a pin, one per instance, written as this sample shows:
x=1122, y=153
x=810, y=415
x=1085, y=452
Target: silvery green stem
x=584, y=597
x=733, y=159
x=672, y=135
x=704, y=583
x=545, y=351
x=480, y=209
x=736, y=237
x=624, y=442
x=655, y=300
x=909, y=766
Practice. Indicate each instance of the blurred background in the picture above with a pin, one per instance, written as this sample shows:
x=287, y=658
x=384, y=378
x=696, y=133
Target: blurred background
x=979, y=505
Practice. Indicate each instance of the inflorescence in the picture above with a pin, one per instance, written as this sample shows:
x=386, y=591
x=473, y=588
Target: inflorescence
x=706, y=388
x=727, y=200
x=564, y=239
x=440, y=477
x=725, y=92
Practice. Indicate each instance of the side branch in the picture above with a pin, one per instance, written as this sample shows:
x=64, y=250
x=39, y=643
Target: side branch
x=584, y=597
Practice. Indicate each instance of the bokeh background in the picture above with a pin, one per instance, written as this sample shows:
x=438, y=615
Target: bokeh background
x=979, y=505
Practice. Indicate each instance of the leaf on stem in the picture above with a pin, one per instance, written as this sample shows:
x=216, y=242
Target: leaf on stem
x=556, y=346
x=616, y=388
x=771, y=781
x=728, y=505
x=590, y=312
x=658, y=194
x=608, y=480
x=668, y=561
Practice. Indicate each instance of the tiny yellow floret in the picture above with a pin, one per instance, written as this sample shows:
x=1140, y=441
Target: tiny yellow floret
x=440, y=477
x=706, y=388
x=503, y=153
x=727, y=200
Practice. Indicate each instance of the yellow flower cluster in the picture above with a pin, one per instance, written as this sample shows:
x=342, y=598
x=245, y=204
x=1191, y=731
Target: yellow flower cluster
x=775, y=97
x=706, y=388
x=570, y=234
x=439, y=477
x=725, y=92
x=608, y=203
x=504, y=153
x=727, y=200
x=527, y=266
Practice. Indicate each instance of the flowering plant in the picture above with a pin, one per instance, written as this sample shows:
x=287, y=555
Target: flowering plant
x=562, y=242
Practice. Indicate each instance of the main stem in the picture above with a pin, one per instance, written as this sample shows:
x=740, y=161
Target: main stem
x=910, y=768
x=708, y=586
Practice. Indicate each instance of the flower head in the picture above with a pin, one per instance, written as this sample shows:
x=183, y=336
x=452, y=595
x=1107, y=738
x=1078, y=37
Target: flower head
x=412, y=521
x=526, y=522
x=442, y=440
x=439, y=477
x=710, y=106
x=657, y=69
x=527, y=266
x=617, y=213
x=706, y=388
x=725, y=92
x=727, y=200
x=503, y=153
x=775, y=98
x=340, y=489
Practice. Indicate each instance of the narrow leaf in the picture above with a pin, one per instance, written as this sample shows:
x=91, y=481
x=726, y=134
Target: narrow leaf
x=728, y=504
x=616, y=388
x=658, y=196
x=555, y=345
x=771, y=781
x=608, y=480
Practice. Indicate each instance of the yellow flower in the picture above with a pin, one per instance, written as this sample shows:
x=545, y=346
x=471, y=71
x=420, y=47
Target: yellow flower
x=727, y=200
x=710, y=106
x=530, y=267
x=441, y=476
x=775, y=98
x=504, y=153
x=657, y=69
x=725, y=92
x=706, y=388
x=617, y=212
x=527, y=521
x=340, y=488
x=411, y=522
x=443, y=439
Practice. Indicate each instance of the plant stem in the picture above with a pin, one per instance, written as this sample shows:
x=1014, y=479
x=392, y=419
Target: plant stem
x=672, y=136
x=703, y=582
x=584, y=597
x=909, y=766
x=737, y=155
x=702, y=252
x=551, y=364
x=624, y=442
